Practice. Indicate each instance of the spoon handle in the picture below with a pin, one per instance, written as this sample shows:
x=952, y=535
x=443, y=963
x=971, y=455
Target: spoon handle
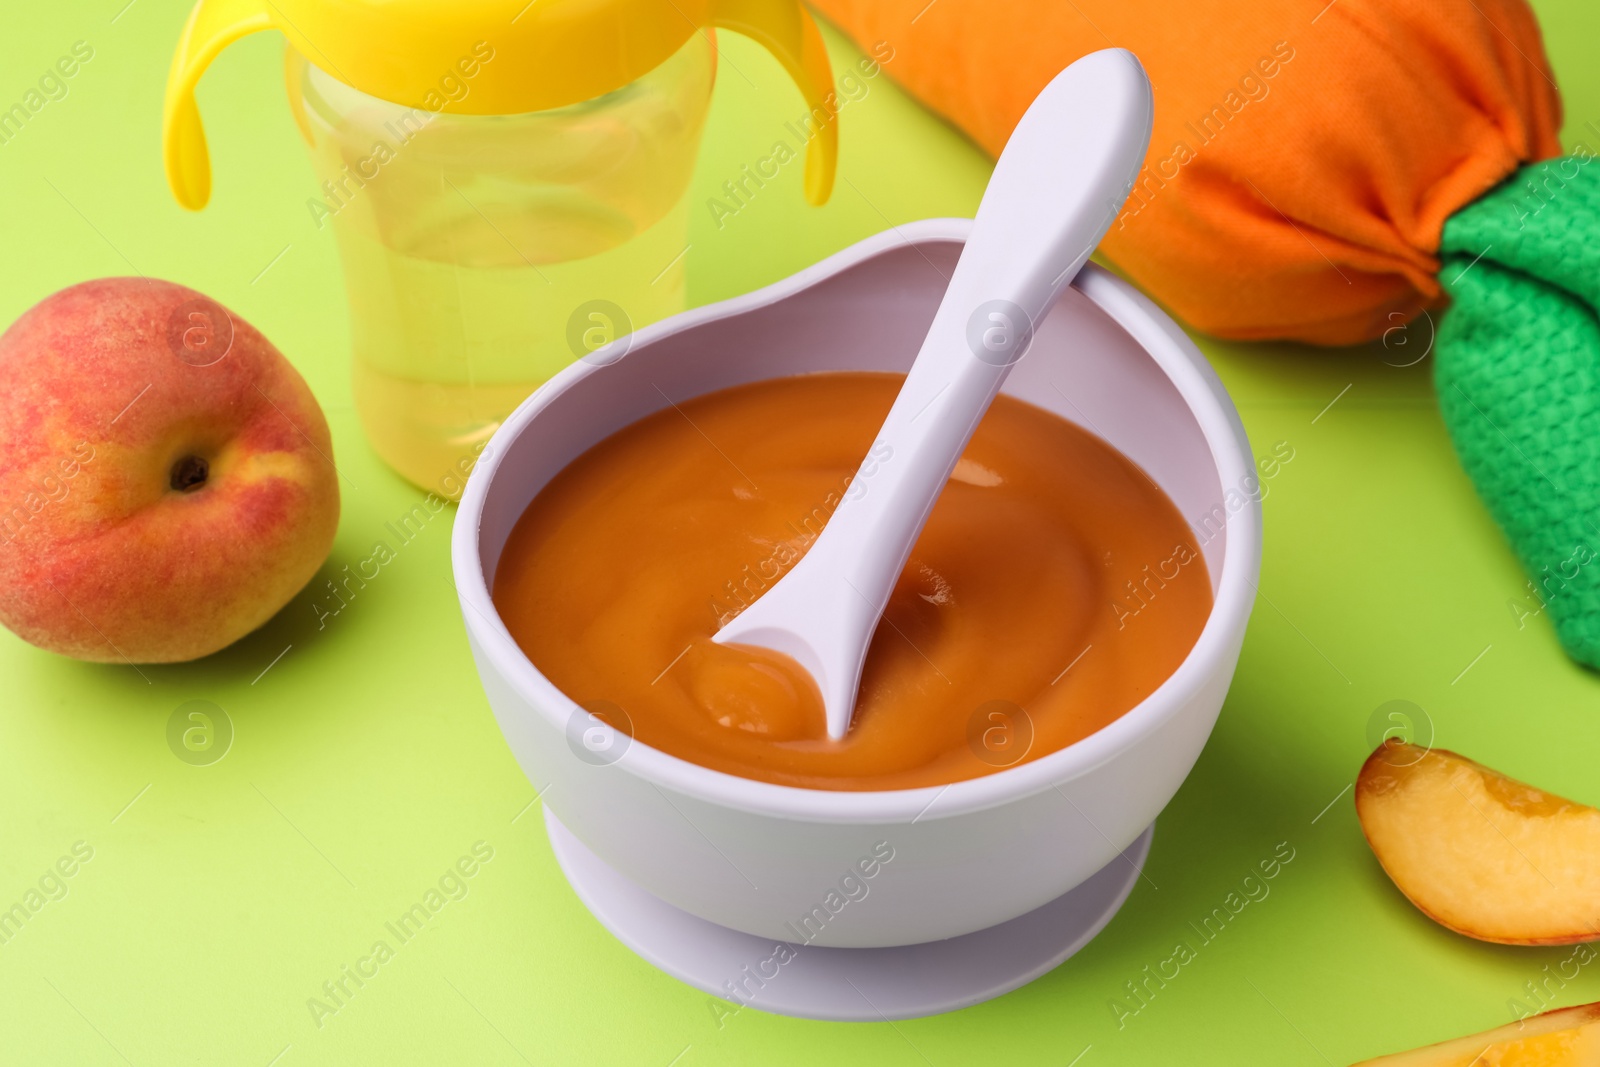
x=1056, y=189
x=1045, y=210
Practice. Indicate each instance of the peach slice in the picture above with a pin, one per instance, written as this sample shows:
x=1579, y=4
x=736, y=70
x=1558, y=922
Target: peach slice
x=1566, y=1037
x=1480, y=853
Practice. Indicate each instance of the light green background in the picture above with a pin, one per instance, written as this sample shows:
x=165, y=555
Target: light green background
x=220, y=898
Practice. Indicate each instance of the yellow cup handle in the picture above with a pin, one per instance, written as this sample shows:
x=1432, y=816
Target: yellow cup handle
x=294, y=72
x=785, y=28
x=213, y=25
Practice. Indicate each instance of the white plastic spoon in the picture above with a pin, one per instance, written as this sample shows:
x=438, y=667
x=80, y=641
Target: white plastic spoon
x=1056, y=188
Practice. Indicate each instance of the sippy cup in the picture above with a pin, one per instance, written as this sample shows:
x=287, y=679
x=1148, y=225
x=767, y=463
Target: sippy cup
x=506, y=181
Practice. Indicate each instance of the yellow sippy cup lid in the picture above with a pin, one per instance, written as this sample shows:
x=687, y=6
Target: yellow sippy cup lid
x=547, y=54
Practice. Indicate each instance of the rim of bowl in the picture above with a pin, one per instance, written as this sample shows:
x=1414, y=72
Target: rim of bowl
x=1165, y=342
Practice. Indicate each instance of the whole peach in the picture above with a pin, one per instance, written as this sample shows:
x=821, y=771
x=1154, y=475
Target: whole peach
x=166, y=477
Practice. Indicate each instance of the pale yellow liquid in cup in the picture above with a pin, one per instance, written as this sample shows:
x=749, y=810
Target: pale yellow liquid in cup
x=482, y=254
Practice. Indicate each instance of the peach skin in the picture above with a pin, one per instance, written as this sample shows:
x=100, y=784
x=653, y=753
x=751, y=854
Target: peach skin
x=166, y=477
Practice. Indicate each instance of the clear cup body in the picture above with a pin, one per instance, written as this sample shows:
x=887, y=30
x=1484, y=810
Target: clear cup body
x=483, y=253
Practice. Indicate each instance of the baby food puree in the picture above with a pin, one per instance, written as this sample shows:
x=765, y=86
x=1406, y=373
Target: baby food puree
x=1053, y=588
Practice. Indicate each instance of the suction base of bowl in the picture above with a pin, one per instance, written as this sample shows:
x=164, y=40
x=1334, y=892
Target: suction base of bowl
x=848, y=984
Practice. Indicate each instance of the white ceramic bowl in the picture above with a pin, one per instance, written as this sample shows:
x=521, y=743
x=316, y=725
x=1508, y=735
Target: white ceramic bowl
x=758, y=857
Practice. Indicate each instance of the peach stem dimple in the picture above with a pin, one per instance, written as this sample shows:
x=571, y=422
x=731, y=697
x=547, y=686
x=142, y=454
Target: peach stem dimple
x=189, y=473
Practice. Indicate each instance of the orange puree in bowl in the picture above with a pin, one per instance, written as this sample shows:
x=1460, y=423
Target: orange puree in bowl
x=1053, y=588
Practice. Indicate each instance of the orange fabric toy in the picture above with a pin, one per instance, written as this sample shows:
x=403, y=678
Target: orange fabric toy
x=1305, y=155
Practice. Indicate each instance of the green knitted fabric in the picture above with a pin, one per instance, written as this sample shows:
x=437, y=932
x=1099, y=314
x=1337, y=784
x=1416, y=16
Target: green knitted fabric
x=1518, y=374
